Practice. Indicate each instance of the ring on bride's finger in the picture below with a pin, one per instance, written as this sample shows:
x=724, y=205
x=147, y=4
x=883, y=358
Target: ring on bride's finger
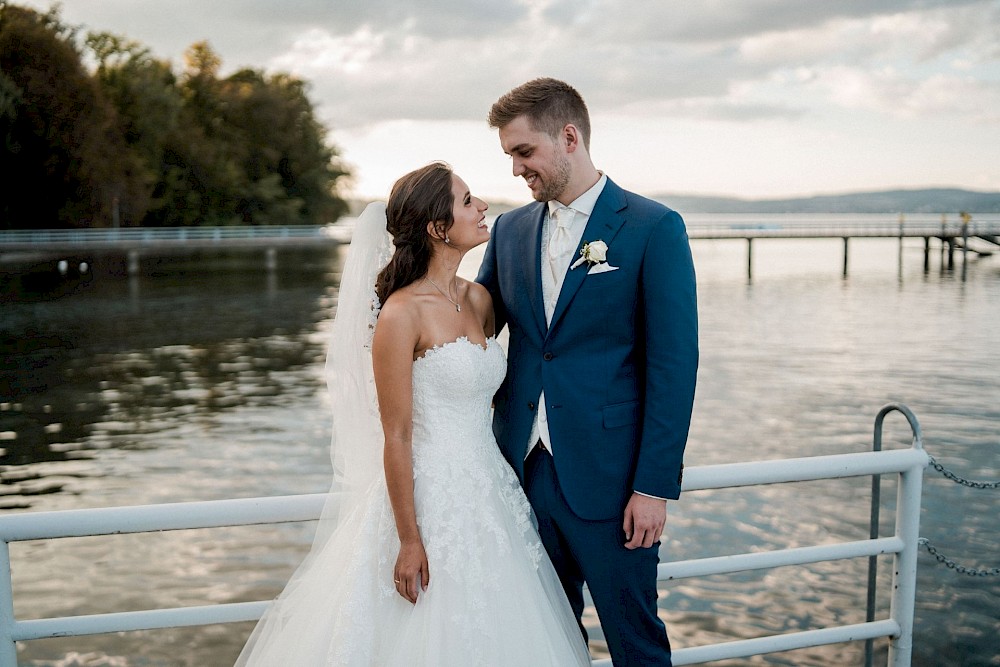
x=395, y=581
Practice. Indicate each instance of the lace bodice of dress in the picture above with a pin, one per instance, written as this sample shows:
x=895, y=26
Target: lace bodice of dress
x=456, y=462
x=453, y=385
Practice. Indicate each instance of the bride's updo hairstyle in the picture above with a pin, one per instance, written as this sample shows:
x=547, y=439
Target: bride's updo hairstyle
x=417, y=198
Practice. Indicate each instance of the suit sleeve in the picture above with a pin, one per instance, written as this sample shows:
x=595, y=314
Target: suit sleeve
x=669, y=302
x=488, y=278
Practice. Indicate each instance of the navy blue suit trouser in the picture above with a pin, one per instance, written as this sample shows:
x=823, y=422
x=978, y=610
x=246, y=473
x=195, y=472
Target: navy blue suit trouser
x=622, y=582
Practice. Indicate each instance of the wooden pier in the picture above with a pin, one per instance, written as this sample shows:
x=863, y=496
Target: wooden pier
x=981, y=237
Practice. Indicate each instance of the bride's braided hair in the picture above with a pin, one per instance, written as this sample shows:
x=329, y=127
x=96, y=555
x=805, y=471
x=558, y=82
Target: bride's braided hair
x=419, y=197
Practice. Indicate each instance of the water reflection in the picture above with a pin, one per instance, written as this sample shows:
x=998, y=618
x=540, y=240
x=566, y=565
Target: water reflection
x=97, y=367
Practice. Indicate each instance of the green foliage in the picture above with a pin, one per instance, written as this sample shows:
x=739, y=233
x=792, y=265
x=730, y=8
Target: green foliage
x=134, y=143
x=59, y=129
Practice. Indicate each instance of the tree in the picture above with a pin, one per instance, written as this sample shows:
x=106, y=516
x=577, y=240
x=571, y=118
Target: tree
x=280, y=143
x=133, y=143
x=149, y=105
x=60, y=129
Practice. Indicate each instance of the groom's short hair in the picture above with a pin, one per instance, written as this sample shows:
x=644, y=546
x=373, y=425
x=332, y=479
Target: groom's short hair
x=549, y=105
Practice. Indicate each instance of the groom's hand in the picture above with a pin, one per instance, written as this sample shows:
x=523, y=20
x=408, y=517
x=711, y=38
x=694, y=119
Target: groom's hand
x=644, y=519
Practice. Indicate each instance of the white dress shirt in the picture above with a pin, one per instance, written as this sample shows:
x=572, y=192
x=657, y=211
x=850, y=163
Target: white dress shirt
x=581, y=207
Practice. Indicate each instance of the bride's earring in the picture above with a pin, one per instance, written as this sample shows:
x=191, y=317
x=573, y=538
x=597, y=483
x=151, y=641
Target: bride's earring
x=447, y=240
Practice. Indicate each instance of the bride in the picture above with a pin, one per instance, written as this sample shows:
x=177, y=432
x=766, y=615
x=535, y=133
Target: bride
x=426, y=553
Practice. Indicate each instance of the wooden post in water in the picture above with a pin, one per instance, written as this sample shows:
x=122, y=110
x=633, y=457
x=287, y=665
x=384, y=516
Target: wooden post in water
x=845, y=257
x=927, y=254
x=749, y=259
x=965, y=241
x=271, y=260
x=944, y=225
x=900, y=257
x=133, y=262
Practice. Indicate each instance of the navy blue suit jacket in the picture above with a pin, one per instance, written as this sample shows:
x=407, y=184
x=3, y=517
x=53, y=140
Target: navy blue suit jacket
x=619, y=361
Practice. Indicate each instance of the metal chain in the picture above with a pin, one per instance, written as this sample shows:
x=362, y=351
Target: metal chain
x=961, y=480
x=941, y=558
x=949, y=563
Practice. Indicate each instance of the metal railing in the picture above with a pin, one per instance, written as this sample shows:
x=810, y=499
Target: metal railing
x=703, y=228
x=160, y=238
x=156, y=234
x=908, y=464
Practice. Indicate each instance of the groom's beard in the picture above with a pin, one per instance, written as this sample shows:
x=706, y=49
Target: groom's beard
x=553, y=184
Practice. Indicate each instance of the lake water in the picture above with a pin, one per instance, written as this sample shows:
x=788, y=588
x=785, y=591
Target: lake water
x=202, y=379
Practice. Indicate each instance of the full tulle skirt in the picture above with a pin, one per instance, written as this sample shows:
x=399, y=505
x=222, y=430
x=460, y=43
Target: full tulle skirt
x=341, y=607
x=493, y=599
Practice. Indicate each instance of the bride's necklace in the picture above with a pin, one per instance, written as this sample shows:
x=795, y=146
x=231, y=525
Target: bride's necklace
x=458, y=308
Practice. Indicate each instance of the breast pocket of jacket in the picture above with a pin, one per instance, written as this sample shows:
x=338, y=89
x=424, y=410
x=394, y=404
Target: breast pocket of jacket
x=613, y=288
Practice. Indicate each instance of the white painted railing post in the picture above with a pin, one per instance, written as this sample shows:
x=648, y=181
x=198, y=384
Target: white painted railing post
x=904, y=578
x=8, y=649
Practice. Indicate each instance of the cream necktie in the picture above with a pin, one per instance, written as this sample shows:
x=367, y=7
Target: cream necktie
x=560, y=244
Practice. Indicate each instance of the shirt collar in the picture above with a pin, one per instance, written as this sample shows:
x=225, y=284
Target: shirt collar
x=584, y=203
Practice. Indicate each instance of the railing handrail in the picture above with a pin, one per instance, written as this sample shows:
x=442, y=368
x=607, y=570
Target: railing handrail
x=155, y=234
x=306, y=507
x=161, y=517
x=753, y=226
x=908, y=463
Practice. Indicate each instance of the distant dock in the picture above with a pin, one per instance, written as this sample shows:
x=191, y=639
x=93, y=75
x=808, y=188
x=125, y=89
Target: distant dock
x=978, y=236
x=134, y=242
x=981, y=237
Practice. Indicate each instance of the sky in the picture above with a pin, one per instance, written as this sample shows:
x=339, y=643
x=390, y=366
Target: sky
x=747, y=98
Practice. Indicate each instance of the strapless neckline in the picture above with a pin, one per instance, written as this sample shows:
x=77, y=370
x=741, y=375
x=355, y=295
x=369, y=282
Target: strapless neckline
x=461, y=339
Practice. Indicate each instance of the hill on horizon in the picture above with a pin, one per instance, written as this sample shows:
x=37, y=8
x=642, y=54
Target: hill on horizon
x=926, y=200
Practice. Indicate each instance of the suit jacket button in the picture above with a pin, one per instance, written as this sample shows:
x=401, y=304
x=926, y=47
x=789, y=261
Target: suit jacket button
x=531, y=406
x=547, y=356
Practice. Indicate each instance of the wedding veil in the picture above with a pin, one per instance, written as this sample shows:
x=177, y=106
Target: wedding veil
x=356, y=447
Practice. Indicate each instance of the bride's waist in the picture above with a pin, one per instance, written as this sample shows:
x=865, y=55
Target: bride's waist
x=454, y=440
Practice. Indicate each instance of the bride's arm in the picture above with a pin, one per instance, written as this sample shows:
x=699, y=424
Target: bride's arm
x=396, y=338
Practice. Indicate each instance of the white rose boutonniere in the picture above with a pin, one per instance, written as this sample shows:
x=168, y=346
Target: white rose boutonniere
x=594, y=252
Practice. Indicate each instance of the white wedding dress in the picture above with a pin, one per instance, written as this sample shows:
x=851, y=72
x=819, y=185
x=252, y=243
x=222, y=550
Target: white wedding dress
x=493, y=599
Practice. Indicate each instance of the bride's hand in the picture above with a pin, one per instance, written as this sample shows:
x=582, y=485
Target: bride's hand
x=411, y=574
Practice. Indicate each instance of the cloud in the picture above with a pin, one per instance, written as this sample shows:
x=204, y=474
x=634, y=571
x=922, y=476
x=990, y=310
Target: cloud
x=730, y=109
x=914, y=37
x=737, y=60
x=746, y=95
x=890, y=93
x=694, y=21
x=729, y=60
x=945, y=95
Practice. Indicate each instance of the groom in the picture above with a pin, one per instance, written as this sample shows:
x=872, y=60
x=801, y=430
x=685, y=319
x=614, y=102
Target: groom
x=597, y=288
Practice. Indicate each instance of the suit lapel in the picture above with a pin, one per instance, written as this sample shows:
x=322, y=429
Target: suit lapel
x=604, y=223
x=533, y=255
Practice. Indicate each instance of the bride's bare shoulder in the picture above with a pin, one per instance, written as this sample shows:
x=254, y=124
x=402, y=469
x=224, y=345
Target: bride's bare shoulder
x=399, y=315
x=479, y=295
x=482, y=305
